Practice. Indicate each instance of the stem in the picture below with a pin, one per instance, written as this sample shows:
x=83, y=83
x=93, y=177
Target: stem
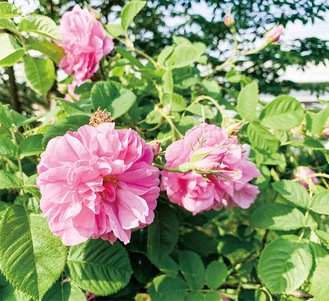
x=13, y=90
x=212, y=100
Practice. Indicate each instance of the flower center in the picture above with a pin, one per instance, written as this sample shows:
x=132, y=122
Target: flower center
x=110, y=179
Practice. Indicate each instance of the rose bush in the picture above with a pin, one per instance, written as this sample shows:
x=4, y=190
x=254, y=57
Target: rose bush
x=81, y=211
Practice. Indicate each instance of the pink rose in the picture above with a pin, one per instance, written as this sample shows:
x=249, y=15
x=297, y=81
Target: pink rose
x=85, y=43
x=220, y=175
x=273, y=35
x=97, y=182
x=303, y=171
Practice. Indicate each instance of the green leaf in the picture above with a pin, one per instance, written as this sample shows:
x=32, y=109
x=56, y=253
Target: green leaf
x=71, y=123
x=315, y=122
x=126, y=54
x=201, y=110
x=67, y=291
x=284, y=112
x=293, y=192
x=40, y=74
x=9, y=180
x=99, y=267
x=178, y=103
x=162, y=233
x=53, y=51
x=41, y=25
x=114, y=30
x=199, y=296
x=9, y=25
x=319, y=285
x=5, y=117
x=247, y=101
x=192, y=269
x=164, y=55
x=31, y=146
x=129, y=11
x=280, y=217
x=262, y=139
x=8, y=10
x=168, y=266
x=320, y=202
x=186, y=123
x=167, y=83
x=7, y=147
x=111, y=97
x=216, y=274
x=11, y=52
x=9, y=293
x=285, y=264
x=3, y=207
x=76, y=108
x=183, y=55
x=28, y=246
x=164, y=288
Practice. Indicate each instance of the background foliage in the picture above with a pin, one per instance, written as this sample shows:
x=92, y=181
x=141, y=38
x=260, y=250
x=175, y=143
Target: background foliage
x=276, y=250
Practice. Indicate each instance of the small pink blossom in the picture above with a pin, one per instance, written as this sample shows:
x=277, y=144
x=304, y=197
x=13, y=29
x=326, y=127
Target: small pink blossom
x=97, y=182
x=220, y=175
x=303, y=171
x=273, y=35
x=228, y=21
x=84, y=42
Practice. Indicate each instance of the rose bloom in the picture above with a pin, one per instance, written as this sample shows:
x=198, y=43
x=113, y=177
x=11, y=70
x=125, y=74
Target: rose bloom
x=84, y=42
x=220, y=175
x=303, y=171
x=97, y=182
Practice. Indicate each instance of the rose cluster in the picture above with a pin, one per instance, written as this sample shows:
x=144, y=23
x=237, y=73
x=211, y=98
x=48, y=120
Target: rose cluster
x=100, y=182
x=220, y=171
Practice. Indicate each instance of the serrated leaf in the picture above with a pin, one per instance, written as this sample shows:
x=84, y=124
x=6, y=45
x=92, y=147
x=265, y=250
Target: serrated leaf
x=247, y=101
x=117, y=101
x=7, y=147
x=262, y=139
x=164, y=55
x=320, y=202
x=52, y=50
x=167, y=82
x=29, y=247
x=8, y=10
x=76, y=108
x=168, y=266
x=285, y=264
x=183, y=55
x=40, y=74
x=41, y=25
x=293, y=192
x=201, y=110
x=11, y=52
x=284, y=112
x=126, y=54
x=319, y=285
x=178, y=103
x=162, y=233
x=280, y=217
x=216, y=274
x=9, y=180
x=31, y=146
x=115, y=30
x=71, y=123
x=99, y=267
x=315, y=122
x=192, y=269
x=9, y=25
x=129, y=11
x=5, y=117
x=186, y=123
x=164, y=288
x=67, y=291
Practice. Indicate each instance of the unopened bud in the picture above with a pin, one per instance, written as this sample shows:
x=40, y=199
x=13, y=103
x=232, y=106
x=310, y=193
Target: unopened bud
x=273, y=35
x=229, y=21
